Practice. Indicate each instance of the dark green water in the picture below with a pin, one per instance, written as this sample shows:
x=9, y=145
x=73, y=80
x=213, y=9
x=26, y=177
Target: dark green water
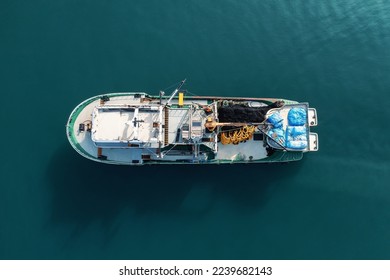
x=334, y=204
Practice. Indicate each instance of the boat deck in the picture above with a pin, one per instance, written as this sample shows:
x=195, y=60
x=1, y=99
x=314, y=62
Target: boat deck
x=250, y=150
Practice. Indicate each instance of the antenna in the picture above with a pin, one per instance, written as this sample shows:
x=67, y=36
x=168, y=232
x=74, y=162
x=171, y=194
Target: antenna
x=161, y=95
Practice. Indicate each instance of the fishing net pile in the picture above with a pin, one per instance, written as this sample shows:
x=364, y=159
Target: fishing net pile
x=231, y=112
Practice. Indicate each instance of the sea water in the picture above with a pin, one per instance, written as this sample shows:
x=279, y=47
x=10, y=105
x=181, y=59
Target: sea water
x=334, y=204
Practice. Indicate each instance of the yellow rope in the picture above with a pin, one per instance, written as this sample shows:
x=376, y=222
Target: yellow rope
x=237, y=136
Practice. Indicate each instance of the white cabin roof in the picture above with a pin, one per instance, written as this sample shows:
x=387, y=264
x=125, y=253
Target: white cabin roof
x=124, y=124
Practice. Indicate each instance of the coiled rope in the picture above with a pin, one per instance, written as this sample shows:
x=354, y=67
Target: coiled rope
x=238, y=135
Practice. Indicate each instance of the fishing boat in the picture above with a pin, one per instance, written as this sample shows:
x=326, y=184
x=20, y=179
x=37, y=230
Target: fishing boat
x=135, y=128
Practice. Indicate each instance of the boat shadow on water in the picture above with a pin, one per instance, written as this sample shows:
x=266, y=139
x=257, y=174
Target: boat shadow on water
x=83, y=191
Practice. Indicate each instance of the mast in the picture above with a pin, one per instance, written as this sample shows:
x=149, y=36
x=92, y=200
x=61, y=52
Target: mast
x=166, y=122
x=175, y=91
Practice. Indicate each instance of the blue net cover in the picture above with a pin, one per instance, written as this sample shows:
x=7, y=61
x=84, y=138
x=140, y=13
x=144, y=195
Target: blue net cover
x=296, y=137
x=297, y=116
x=296, y=133
x=276, y=120
x=277, y=134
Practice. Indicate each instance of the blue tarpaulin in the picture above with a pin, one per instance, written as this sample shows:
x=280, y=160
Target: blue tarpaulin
x=297, y=116
x=276, y=120
x=296, y=137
